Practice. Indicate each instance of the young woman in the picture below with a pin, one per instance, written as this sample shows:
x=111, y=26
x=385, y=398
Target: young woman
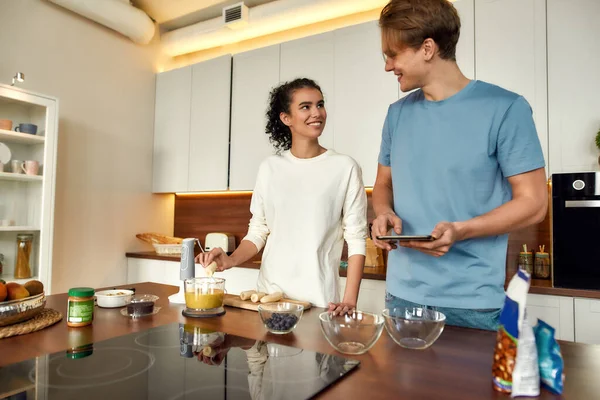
x=306, y=201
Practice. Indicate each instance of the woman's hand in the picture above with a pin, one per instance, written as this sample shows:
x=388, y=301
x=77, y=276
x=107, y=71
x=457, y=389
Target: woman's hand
x=341, y=308
x=217, y=255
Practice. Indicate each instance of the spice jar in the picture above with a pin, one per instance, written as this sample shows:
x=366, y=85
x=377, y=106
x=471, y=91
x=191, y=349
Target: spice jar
x=542, y=264
x=526, y=261
x=23, y=264
x=80, y=307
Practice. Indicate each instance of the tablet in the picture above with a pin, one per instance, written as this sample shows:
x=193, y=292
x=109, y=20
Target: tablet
x=407, y=238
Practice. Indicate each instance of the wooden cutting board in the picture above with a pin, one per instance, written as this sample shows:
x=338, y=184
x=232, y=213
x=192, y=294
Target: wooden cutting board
x=233, y=300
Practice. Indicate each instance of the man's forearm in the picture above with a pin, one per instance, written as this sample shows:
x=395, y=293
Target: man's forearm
x=354, y=275
x=511, y=216
x=383, y=199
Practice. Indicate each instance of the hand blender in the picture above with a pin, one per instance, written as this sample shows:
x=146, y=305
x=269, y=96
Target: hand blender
x=187, y=269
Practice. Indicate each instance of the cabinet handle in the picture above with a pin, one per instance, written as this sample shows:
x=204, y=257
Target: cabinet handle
x=582, y=203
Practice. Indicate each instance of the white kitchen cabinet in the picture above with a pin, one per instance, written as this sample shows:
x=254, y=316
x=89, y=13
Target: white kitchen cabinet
x=313, y=57
x=167, y=272
x=191, y=133
x=144, y=270
x=172, y=130
x=371, y=297
x=465, y=50
x=573, y=84
x=557, y=311
x=587, y=321
x=209, y=131
x=255, y=73
x=510, y=48
x=363, y=93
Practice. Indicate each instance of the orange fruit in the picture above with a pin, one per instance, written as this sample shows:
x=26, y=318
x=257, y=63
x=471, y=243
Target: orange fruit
x=3, y=292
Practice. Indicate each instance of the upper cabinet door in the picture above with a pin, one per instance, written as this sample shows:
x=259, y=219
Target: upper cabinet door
x=363, y=93
x=465, y=50
x=313, y=57
x=510, y=41
x=172, y=130
x=255, y=73
x=209, y=132
x=573, y=84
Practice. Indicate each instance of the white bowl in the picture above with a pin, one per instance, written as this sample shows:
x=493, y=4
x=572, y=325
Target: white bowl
x=114, y=298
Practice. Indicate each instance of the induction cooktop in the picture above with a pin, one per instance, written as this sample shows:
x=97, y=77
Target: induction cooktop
x=176, y=361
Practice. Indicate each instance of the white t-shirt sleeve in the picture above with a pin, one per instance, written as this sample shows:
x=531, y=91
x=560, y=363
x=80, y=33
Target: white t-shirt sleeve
x=258, y=231
x=354, y=218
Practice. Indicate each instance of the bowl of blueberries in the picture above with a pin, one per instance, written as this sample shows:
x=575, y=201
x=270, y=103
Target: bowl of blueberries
x=280, y=318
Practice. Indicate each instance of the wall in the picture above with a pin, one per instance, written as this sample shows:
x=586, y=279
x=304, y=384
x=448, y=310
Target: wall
x=105, y=86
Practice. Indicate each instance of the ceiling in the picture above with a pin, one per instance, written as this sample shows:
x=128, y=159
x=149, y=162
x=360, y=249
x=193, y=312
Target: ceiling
x=174, y=14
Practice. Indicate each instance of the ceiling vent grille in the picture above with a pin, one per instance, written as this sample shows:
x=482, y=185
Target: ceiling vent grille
x=235, y=16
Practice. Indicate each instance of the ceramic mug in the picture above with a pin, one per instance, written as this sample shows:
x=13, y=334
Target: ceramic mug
x=15, y=167
x=30, y=167
x=6, y=124
x=27, y=128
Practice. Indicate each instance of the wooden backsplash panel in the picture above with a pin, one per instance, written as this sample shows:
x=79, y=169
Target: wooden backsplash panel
x=197, y=215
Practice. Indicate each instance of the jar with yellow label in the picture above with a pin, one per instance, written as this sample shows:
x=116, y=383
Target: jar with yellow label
x=80, y=307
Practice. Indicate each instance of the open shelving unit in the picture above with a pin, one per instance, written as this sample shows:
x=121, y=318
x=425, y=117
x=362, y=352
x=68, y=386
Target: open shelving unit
x=27, y=201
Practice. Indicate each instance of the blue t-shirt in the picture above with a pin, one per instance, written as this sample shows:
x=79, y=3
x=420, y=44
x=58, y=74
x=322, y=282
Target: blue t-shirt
x=450, y=161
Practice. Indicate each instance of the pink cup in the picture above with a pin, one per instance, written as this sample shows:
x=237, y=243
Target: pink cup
x=30, y=167
x=6, y=124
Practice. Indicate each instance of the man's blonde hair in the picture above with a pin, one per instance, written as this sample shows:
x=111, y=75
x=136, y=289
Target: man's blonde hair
x=407, y=23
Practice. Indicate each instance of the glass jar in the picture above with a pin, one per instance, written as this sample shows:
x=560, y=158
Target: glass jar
x=542, y=265
x=526, y=262
x=80, y=307
x=23, y=262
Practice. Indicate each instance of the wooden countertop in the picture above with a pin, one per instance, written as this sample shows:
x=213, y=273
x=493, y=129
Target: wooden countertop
x=457, y=366
x=368, y=273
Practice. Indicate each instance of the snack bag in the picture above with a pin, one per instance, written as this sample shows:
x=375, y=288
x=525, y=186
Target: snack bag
x=550, y=359
x=515, y=368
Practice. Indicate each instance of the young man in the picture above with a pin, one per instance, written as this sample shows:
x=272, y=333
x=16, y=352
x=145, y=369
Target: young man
x=460, y=160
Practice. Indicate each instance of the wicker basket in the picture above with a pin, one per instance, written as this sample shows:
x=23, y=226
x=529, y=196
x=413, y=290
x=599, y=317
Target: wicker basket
x=167, y=249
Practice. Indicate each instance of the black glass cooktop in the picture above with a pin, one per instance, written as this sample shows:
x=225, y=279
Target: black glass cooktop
x=177, y=361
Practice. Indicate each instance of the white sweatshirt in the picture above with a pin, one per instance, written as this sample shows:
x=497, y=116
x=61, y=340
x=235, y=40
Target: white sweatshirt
x=303, y=209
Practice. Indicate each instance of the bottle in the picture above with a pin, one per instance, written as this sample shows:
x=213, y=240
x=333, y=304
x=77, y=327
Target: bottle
x=1, y=261
x=23, y=263
x=80, y=307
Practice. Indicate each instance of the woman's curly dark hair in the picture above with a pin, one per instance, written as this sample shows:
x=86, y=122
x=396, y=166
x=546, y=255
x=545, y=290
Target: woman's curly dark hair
x=280, y=99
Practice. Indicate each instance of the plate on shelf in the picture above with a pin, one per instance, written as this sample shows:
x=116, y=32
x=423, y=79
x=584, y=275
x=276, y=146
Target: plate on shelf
x=5, y=154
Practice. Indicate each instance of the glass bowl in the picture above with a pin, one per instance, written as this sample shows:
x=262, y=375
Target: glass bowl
x=280, y=318
x=414, y=328
x=352, y=333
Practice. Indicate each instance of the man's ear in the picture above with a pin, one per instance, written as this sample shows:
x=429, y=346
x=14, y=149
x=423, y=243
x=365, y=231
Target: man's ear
x=429, y=48
x=285, y=119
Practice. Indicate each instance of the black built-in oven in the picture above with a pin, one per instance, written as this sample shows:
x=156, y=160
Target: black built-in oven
x=576, y=230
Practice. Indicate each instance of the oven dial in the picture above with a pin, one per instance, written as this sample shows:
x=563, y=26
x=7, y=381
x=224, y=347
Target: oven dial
x=578, y=184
